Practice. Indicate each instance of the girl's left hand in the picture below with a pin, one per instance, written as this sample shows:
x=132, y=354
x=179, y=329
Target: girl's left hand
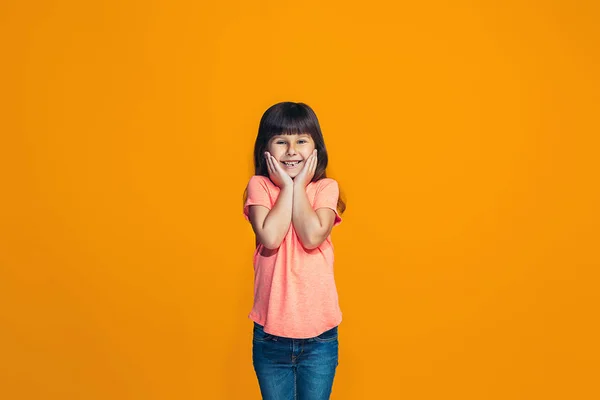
x=308, y=171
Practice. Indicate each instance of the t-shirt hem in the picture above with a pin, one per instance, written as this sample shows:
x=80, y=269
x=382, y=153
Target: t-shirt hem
x=257, y=320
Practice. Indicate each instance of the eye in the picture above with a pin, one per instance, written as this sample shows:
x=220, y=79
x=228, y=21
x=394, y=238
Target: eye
x=283, y=142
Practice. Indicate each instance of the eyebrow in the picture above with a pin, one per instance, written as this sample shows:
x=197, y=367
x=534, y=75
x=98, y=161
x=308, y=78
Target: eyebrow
x=283, y=136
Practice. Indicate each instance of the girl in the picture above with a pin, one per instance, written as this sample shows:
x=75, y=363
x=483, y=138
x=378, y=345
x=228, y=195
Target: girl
x=292, y=207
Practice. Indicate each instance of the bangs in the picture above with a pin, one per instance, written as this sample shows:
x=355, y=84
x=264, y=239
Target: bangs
x=291, y=121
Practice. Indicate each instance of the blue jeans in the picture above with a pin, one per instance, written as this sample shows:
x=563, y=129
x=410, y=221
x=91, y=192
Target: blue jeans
x=295, y=369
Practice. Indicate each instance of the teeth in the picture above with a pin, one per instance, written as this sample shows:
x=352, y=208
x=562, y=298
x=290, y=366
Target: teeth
x=290, y=164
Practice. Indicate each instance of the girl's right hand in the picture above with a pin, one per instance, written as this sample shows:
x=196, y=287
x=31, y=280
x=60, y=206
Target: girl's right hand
x=276, y=172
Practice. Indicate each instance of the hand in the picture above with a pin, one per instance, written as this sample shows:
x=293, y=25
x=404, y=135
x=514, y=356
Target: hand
x=276, y=172
x=308, y=171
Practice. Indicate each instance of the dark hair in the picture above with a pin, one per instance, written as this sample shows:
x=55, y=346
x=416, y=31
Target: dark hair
x=288, y=118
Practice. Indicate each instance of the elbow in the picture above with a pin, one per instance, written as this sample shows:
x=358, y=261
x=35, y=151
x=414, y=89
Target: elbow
x=272, y=246
x=313, y=243
x=270, y=243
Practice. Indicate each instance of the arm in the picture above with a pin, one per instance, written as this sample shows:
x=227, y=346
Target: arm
x=271, y=226
x=312, y=226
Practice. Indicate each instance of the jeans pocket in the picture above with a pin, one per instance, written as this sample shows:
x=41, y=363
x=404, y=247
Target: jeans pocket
x=327, y=336
x=259, y=335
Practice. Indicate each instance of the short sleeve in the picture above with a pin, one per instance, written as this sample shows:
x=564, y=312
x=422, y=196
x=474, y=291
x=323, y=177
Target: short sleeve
x=327, y=196
x=258, y=195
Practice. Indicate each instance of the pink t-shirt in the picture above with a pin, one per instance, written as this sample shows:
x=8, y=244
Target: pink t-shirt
x=295, y=295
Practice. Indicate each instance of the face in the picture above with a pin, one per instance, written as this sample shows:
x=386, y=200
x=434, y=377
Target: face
x=291, y=148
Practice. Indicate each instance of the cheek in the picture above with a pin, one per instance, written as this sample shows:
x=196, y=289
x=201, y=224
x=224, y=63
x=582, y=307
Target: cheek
x=273, y=151
x=308, y=151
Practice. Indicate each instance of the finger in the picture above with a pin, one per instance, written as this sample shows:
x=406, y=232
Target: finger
x=280, y=167
x=269, y=167
x=306, y=167
x=311, y=163
x=276, y=166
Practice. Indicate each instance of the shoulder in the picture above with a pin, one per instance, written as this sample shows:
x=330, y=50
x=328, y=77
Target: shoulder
x=326, y=182
x=257, y=178
x=260, y=181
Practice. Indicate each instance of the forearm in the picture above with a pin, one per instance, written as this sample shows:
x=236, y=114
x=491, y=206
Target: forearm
x=306, y=221
x=277, y=223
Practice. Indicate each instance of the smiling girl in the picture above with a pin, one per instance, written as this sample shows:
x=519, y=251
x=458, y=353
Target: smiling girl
x=292, y=207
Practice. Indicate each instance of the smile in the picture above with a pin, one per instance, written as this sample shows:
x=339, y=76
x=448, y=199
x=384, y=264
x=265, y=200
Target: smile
x=292, y=164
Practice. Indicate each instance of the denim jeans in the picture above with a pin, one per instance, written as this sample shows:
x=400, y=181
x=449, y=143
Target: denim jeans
x=295, y=369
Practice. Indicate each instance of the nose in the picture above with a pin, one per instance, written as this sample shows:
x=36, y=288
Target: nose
x=291, y=150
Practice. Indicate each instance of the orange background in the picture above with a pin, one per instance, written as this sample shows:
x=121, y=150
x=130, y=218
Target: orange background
x=464, y=137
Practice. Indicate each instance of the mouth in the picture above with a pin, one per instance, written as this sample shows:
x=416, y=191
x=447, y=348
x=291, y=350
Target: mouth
x=291, y=165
